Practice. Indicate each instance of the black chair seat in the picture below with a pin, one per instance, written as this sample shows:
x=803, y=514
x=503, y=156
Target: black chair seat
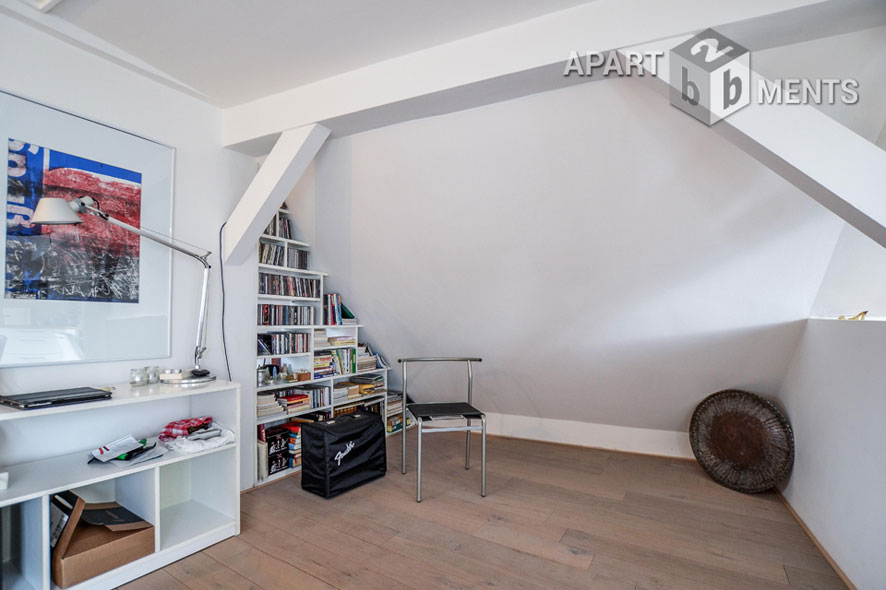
x=429, y=411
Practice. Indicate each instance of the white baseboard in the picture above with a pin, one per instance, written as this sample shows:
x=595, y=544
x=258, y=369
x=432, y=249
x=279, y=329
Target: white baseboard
x=646, y=441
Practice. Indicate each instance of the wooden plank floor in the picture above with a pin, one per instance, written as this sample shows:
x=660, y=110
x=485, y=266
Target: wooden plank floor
x=556, y=517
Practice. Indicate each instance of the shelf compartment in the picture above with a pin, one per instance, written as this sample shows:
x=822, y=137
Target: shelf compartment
x=264, y=357
x=276, y=328
x=287, y=298
x=136, y=492
x=295, y=271
x=65, y=472
x=280, y=474
x=25, y=563
x=283, y=416
x=285, y=385
x=186, y=520
x=196, y=499
x=295, y=243
x=358, y=400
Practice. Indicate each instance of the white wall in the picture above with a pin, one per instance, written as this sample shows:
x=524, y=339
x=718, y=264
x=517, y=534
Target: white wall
x=833, y=394
x=613, y=260
x=208, y=182
x=855, y=280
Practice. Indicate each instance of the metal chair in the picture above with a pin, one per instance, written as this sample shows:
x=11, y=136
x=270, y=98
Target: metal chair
x=445, y=410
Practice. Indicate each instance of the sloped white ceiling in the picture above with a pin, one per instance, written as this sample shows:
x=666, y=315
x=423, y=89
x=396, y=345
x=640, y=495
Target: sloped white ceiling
x=236, y=51
x=610, y=258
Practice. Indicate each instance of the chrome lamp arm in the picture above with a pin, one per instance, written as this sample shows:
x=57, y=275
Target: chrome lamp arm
x=89, y=205
x=52, y=211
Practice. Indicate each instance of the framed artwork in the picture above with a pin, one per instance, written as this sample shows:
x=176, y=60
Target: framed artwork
x=92, y=291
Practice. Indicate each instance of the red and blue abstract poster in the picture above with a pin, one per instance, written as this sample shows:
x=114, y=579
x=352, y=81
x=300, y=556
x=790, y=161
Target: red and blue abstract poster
x=92, y=261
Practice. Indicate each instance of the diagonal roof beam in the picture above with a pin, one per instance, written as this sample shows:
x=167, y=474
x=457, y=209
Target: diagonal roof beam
x=272, y=184
x=838, y=168
x=512, y=61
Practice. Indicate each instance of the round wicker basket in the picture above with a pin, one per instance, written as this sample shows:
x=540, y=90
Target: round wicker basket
x=742, y=441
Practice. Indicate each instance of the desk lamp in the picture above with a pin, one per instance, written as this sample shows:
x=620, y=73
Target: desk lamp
x=52, y=211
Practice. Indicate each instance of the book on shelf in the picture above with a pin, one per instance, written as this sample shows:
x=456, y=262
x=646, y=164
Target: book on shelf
x=347, y=318
x=394, y=423
x=270, y=253
x=277, y=449
x=294, y=435
x=323, y=366
x=343, y=391
x=309, y=418
x=395, y=402
x=321, y=339
x=363, y=388
x=271, y=343
x=374, y=379
x=278, y=463
x=294, y=404
x=266, y=404
x=262, y=458
x=297, y=258
x=395, y=407
x=285, y=315
x=319, y=394
x=327, y=363
x=288, y=286
x=292, y=400
x=341, y=341
x=373, y=407
x=332, y=309
x=366, y=360
x=275, y=437
x=280, y=226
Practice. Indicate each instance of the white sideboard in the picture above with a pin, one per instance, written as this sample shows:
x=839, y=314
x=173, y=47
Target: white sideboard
x=193, y=500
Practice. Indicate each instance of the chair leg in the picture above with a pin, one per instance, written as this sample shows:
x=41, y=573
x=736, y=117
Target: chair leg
x=483, y=459
x=403, y=439
x=468, y=447
x=418, y=480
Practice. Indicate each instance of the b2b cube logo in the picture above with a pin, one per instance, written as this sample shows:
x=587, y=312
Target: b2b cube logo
x=710, y=76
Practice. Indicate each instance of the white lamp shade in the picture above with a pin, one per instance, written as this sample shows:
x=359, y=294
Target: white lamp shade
x=54, y=212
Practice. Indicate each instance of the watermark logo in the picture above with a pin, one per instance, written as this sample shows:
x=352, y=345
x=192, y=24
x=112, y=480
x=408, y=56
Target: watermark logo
x=710, y=76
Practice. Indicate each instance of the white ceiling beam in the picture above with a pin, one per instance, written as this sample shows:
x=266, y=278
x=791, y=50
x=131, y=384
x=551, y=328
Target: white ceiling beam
x=512, y=61
x=838, y=168
x=806, y=23
x=276, y=178
x=42, y=5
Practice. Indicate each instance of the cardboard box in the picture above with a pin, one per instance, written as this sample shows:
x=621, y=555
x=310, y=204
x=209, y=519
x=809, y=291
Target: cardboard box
x=86, y=550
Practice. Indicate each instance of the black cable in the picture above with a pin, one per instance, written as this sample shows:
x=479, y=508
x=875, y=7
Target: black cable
x=221, y=266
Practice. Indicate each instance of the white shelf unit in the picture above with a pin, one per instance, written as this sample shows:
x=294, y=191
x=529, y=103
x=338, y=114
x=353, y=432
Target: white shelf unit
x=396, y=412
x=150, y=489
x=303, y=361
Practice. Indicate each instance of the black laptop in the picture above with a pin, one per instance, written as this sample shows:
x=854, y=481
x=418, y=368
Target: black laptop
x=57, y=397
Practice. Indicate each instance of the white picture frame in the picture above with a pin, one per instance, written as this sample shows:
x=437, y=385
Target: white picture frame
x=58, y=329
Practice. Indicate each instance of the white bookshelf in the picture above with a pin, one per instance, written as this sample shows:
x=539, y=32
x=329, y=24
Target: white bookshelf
x=192, y=500
x=303, y=361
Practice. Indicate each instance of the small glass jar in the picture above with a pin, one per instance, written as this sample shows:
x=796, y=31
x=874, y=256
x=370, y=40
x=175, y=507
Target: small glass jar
x=152, y=374
x=137, y=377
